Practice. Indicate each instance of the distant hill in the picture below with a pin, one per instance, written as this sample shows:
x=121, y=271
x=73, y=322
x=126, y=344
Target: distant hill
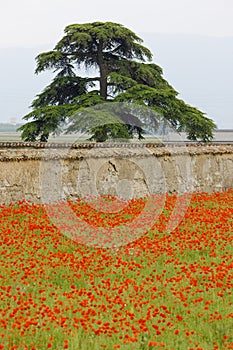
x=19, y=84
x=7, y=127
x=200, y=68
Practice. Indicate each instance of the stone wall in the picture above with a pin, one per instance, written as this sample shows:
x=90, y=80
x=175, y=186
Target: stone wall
x=45, y=173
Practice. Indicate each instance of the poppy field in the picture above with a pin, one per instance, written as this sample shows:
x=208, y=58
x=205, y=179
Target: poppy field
x=163, y=290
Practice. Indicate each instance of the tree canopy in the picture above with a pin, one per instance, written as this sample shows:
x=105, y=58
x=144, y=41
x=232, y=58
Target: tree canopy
x=123, y=72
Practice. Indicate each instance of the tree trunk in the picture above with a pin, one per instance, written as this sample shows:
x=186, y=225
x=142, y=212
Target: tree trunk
x=103, y=72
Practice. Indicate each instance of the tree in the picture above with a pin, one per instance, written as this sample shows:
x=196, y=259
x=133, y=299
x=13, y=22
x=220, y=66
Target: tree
x=125, y=74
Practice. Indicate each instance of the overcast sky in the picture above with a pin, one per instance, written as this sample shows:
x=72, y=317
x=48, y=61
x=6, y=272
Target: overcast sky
x=33, y=23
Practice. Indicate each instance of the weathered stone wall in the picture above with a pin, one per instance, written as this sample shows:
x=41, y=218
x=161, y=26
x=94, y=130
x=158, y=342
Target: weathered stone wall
x=42, y=174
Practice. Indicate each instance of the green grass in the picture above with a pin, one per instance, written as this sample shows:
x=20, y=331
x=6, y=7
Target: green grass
x=162, y=291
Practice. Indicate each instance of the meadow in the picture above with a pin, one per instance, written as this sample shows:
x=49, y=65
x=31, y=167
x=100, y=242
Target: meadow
x=161, y=291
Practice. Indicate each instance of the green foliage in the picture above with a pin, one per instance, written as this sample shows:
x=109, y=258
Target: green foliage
x=62, y=90
x=123, y=75
x=105, y=132
x=46, y=120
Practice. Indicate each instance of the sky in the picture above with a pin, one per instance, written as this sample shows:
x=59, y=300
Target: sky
x=37, y=24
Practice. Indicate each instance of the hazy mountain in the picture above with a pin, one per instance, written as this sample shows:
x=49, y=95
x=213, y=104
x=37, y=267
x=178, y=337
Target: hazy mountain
x=19, y=84
x=199, y=67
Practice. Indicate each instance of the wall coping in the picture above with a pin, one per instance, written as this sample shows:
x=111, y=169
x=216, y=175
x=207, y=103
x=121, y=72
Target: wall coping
x=23, y=151
x=80, y=145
